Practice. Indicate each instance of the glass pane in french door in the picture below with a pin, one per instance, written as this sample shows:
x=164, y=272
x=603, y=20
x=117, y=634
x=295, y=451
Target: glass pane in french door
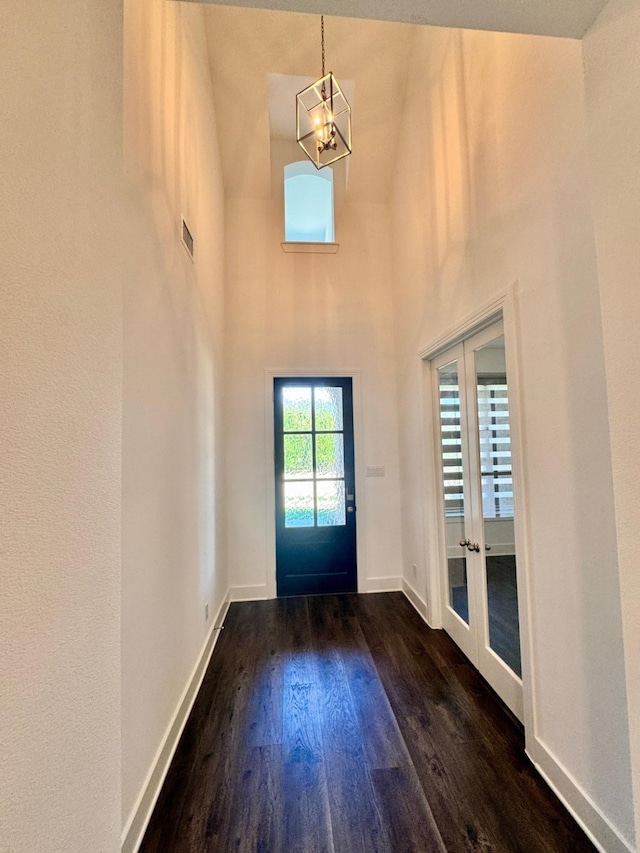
x=494, y=444
x=453, y=491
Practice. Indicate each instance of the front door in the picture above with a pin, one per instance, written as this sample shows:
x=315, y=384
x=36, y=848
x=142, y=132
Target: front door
x=480, y=589
x=315, y=486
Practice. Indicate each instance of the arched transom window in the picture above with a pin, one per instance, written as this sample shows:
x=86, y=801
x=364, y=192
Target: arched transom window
x=308, y=203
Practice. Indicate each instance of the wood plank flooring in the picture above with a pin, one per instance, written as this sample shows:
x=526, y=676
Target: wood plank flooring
x=343, y=724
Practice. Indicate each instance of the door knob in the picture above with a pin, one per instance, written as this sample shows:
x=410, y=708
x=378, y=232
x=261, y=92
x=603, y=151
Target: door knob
x=350, y=509
x=464, y=542
x=471, y=546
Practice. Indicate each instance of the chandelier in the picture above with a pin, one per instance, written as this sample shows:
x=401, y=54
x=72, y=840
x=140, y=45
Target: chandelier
x=323, y=118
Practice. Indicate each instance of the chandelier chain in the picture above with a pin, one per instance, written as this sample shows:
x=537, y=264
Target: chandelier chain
x=322, y=36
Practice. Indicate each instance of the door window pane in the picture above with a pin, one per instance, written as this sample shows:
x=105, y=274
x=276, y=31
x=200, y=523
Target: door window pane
x=453, y=491
x=458, y=587
x=296, y=409
x=328, y=403
x=502, y=602
x=329, y=455
x=298, y=504
x=494, y=442
x=331, y=503
x=298, y=457
x=313, y=452
x=494, y=445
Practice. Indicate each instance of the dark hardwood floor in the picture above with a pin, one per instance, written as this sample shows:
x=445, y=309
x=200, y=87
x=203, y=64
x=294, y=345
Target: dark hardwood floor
x=343, y=724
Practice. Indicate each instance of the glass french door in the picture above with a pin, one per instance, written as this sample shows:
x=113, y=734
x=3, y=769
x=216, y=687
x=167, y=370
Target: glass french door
x=480, y=590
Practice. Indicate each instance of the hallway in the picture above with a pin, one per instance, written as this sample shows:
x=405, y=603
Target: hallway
x=346, y=724
x=495, y=172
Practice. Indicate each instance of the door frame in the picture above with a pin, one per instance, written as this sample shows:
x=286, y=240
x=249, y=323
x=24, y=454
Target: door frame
x=503, y=306
x=270, y=478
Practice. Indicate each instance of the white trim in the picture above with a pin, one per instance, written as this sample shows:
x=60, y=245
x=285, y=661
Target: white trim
x=431, y=506
x=585, y=812
x=136, y=825
x=355, y=375
x=310, y=248
x=522, y=535
x=469, y=325
x=424, y=465
x=415, y=600
x=392, y=584
x=257, y=592
x=503, y=305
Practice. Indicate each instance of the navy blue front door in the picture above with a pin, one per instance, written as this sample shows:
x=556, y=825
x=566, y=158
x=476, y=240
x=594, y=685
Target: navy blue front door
x=315, y=486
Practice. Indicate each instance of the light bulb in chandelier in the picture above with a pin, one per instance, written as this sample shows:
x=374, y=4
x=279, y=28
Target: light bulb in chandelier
x=324, y=127
x=323, y=119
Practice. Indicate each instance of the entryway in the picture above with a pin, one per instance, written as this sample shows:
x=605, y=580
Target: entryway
x=315, y=485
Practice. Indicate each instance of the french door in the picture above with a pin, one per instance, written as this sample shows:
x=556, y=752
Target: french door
x=479, y=588
x=315, y=486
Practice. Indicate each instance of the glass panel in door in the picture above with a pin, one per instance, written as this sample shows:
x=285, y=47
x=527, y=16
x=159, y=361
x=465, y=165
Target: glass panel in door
x=453, y=488
x=494, y=444
x=315, y=478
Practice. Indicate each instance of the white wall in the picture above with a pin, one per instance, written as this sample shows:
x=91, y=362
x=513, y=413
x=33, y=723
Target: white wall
x=491, y=189
x=294, y=312
x=502, y=195
x=60, y=401
x=173, y=347
x=612, y=75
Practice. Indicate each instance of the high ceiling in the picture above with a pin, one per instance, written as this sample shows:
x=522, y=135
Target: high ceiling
x=253, y=52
x=261, y=57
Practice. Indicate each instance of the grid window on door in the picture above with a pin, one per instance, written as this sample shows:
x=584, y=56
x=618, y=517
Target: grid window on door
x=313, y=440
x=451, y=446
x=495, y=447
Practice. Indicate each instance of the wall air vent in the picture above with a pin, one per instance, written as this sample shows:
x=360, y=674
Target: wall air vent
x=187, y=239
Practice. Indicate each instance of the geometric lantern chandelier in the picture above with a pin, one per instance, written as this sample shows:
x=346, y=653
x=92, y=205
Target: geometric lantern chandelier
x=323, y=119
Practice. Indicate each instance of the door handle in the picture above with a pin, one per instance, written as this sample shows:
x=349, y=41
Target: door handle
x=471, y=546
x=464, y=542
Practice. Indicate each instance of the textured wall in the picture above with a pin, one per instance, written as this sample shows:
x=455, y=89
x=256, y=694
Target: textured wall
x=60, y=406
x=612, y=74
x=493, y=188
x=173, y=315
x=317, y=313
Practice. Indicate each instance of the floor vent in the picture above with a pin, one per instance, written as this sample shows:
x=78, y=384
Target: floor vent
x=187, y=239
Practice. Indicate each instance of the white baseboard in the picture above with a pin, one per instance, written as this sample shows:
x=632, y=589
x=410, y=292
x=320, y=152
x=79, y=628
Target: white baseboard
x=393, y=584
x=260, y=592
x=418, y=602
x=599, y=829
x=248, y=593
x=597, y=826
x=135, y=827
